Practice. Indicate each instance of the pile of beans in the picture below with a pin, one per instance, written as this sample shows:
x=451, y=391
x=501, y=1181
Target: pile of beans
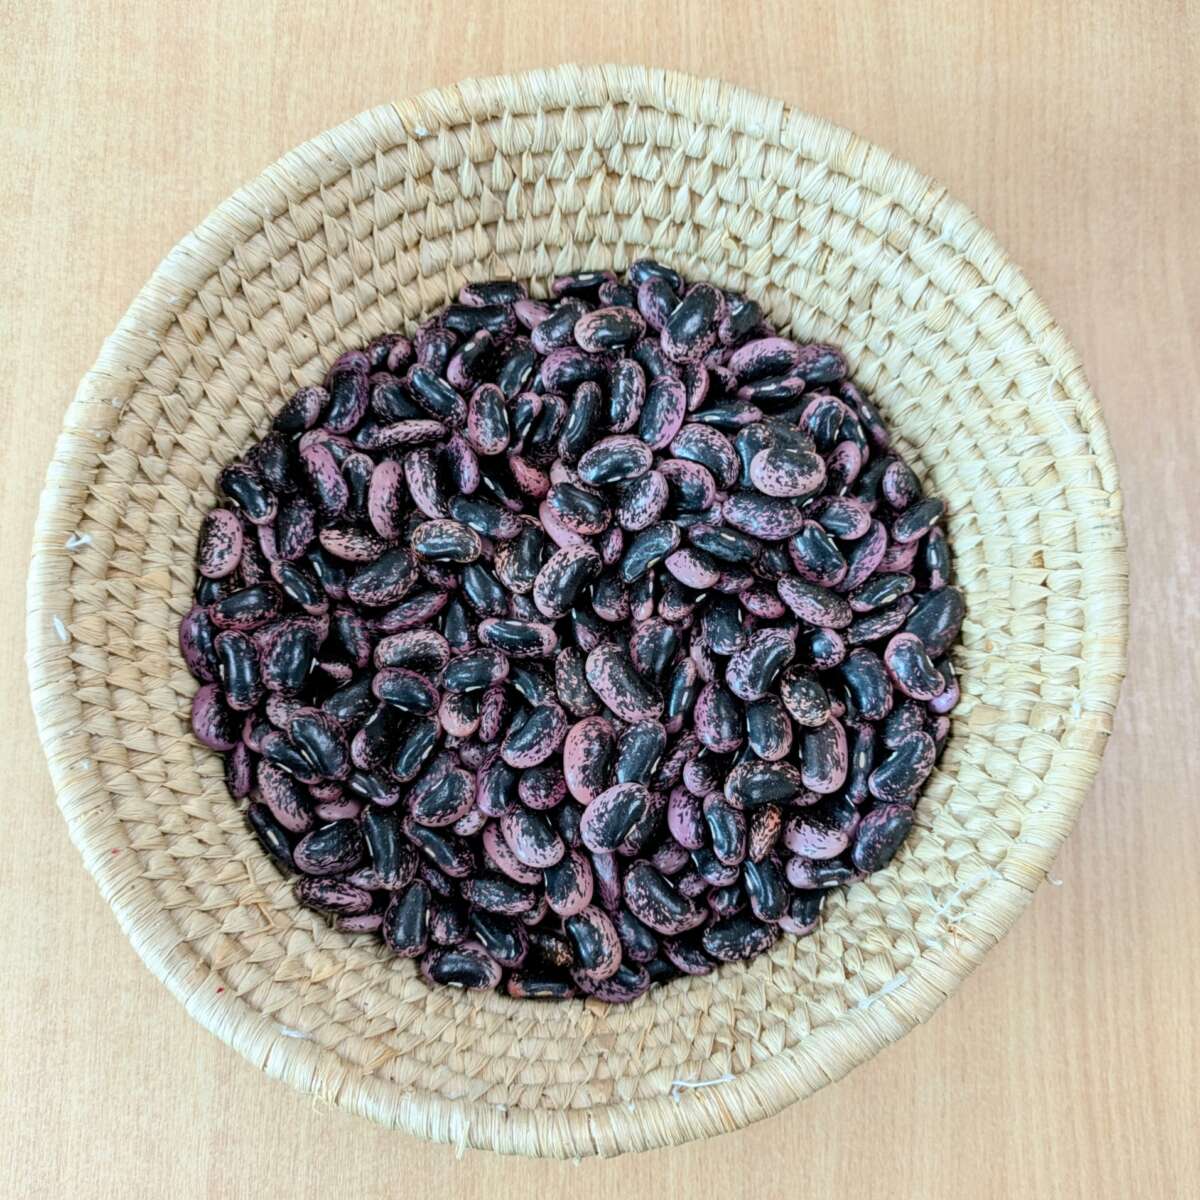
x=577, y=644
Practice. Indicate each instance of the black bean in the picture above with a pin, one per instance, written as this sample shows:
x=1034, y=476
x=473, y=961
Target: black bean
x=905, y=769
x=639, y=750
x=803, y=912
x=613, y=677
x=406, y=921
x=936, y=619
x=608, y=819
x=393, y=859
x=526, y=410
x=238, y=669
x=531, y=985
x=302, y=410
x=880, y=623
x=638, y=943
x=532, y=838
x=868, y=683
x=880, y=835
x=742, y=319
x=329, y=850
x=450, y=854
x=910, y=666
x=656, y=903
x=331, y=575
x=737, y=938
x=627, y=983
x=683, y=687
x=351, y=703
x=468, y=319
x=580, y=510
x=407, y=690
x=917, y=520
x=504, y=939
x=656, y=301
x=648, y=548
x=248, y=608
x=496, y=291
x=718, y=719
x=276, y=748
x=642, y=269
x=653, y=647
x=754, y=669
x=766, y=889
x=596, y=944
x=691, y=330
x=880, y=590
x=626, y=395
x=536, y=739
x=648, y=354
x=473, y=361
x=476, y=670
x=436, y=396
x=686, y=955
x=539, y=441
x=768, y=729
x=726, y=901
x=320, y=739
x=531, y=682
x=566, y=820
x=663, y=412
x=757, y=782
x=726, y=828
x=377, y=787
x=862, y=757
x=583, y=417
x=825, y=756
x=468, y=966
x=614, y=459
x=641, y=501
x=248, y=490
x=562, y=576
x=271, y=836
x=605, y=329
x=446, y=801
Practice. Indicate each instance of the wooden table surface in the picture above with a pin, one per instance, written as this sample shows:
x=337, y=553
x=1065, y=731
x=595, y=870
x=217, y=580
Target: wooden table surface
x=1065, y=1066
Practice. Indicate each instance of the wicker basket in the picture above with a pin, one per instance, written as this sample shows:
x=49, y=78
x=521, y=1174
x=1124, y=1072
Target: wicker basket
x=361, y=231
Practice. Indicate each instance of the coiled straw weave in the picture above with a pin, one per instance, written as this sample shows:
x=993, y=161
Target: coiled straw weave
x=364, y=229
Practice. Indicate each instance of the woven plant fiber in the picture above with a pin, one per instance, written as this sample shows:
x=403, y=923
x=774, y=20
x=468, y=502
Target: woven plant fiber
x=365, y=229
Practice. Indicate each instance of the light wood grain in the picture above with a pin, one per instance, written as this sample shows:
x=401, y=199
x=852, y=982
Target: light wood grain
x=1065, y=1067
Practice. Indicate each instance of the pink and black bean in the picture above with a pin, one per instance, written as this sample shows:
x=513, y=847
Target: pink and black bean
x=573, y=645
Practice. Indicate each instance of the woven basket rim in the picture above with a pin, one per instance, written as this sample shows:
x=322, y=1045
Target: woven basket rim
x=831, y=1050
